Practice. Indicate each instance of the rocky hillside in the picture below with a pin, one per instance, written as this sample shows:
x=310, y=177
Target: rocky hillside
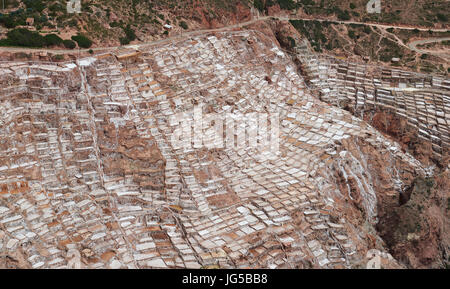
x=95, y=176
x=117, y=22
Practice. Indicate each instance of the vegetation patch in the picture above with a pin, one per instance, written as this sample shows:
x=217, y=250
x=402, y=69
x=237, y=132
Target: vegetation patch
x=70, y=44
x=184, y=25
x=52, y=40
x=82, y=41
x=129, y=35
x=23, y=37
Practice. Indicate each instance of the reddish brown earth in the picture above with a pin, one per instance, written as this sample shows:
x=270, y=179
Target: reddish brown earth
x=415, y=225
x=397, y=128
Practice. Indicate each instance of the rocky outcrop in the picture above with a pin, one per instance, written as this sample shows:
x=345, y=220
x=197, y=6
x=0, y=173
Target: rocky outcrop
x=415, y=226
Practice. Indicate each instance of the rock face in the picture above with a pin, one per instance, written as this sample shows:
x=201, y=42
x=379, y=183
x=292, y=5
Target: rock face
x=94, y=172
x=413, y=110
x=416, y=228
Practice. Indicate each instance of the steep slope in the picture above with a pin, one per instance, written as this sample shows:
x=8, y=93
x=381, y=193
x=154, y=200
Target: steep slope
x=412, y=109
x=93, y=176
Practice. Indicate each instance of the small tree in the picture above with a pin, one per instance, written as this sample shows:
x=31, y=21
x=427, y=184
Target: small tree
x=259, y=4
x=82, y=41
x=442, y=17
x=351, y=34
x=69, y=44
x=130, y=33
x=287, y=4
x=184, y=25
x=25, y=37
x=58, y=57
x=124, y=41
x=52, y=39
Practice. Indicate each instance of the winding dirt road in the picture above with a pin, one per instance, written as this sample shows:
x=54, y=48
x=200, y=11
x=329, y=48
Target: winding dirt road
x=238, y=25
x=413, y=46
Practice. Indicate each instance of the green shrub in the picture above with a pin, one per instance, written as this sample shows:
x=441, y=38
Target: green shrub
x=82, y=41
x=58, y=57
x=442, y=17
x=343, y=15
x=69, y=44
x=52, y=39
x=72, y=23
x=307, y=2
x=351, y=34
x=124, y=41
x=36, y=5
x=352, y=6
x=57, y=7
x=291, y=41
x=25, y=37
x=129, y=33
x=9, y=21
x=4, y=42
x=85, y=7
x=259, y=4
x=286, y=4
x=184, y=25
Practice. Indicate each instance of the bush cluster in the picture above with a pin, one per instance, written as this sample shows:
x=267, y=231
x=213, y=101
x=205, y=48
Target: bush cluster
x=262, y=5
x=69, y=44
x=27, y=38
x=82, y=41
x=184, y=25
x=129, y=35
